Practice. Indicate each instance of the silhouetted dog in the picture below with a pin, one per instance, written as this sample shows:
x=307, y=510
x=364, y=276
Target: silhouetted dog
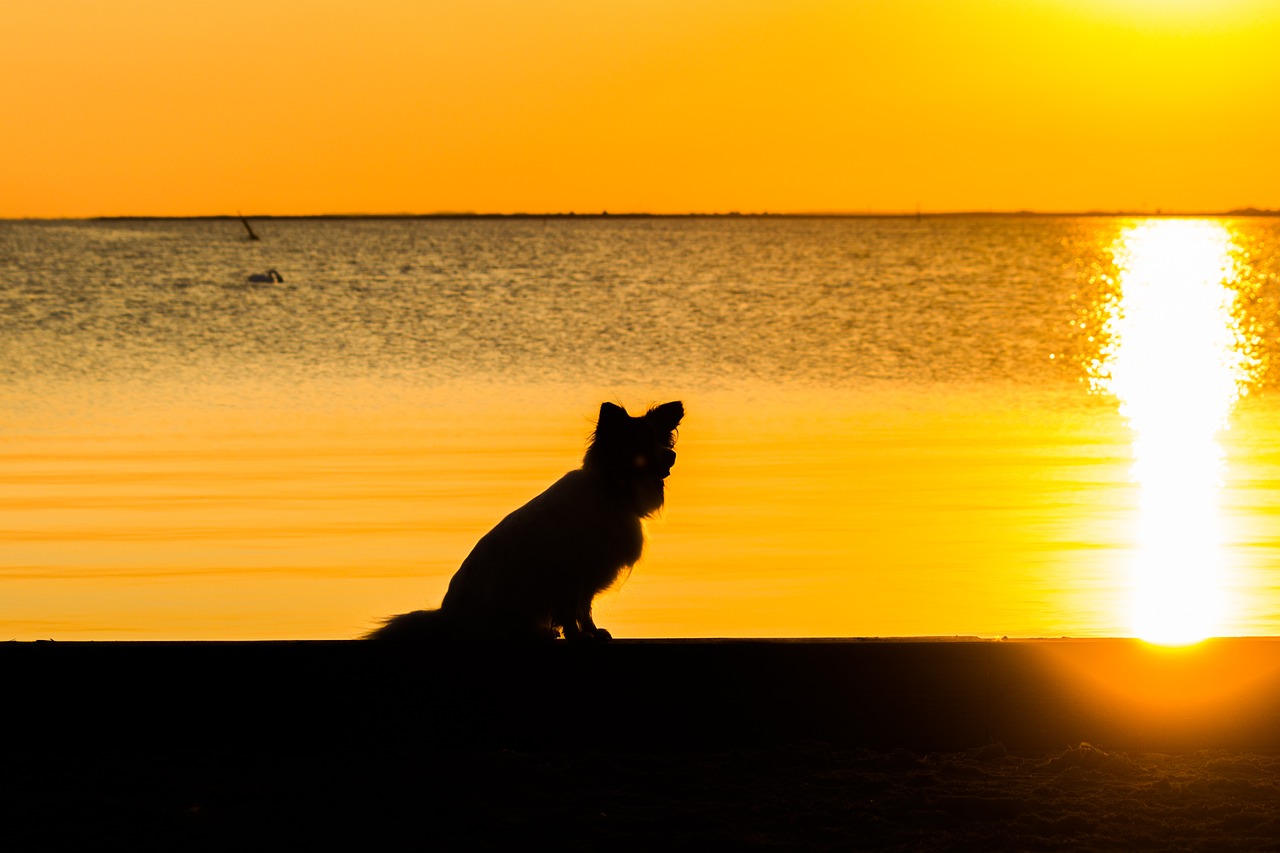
x=536, y=573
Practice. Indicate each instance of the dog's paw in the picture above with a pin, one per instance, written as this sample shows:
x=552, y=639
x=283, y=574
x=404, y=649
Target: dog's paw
x=589, y=635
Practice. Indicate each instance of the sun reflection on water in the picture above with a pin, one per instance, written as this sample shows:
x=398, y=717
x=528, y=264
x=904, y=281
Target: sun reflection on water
x=1177, y=359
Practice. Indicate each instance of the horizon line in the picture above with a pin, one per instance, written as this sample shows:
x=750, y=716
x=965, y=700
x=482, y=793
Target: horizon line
x=605, y=214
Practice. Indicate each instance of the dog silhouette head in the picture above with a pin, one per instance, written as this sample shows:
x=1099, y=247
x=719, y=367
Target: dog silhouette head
x=635, y=454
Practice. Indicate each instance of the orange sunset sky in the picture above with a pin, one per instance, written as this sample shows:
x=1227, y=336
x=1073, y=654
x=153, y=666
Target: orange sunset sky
x=155, y=107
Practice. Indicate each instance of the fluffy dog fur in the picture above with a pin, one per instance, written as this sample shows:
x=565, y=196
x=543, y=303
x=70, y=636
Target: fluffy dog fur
x=535, y=574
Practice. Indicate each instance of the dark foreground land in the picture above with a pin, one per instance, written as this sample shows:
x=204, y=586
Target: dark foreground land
x=1072, y=744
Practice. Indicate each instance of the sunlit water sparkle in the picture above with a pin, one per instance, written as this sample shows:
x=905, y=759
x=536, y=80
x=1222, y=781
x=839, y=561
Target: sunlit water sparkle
x=1177, y=359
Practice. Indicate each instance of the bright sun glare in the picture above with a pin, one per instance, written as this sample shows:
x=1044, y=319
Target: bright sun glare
x=1175, y=361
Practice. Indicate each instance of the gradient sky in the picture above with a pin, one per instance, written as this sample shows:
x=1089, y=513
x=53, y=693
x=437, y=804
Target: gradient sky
x=151, y=107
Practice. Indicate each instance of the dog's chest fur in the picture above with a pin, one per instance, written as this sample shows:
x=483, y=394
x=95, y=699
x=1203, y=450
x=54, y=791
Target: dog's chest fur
x=576, y=536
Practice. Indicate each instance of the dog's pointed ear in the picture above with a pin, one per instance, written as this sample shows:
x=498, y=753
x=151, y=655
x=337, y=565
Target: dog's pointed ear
x=610, y=414
x=667, y=416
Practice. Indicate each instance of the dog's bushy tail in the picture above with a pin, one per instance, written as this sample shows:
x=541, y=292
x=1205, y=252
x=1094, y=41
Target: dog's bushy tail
x=418, y=626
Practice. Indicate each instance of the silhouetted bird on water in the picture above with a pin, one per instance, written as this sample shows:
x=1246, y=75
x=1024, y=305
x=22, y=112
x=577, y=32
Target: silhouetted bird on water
x=267, y=277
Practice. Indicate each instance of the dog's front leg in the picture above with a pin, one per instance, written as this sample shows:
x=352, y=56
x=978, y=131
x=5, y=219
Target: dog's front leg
x=565, y=617
x=571, y=630
x=588, y=624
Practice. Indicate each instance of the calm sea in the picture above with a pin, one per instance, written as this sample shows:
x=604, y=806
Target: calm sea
x=894, y=426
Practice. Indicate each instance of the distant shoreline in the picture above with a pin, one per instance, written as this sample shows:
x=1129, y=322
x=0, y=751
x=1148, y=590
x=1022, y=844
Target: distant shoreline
x=451, y=215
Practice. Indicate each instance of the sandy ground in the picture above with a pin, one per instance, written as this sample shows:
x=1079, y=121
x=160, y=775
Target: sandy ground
x=645, y=746
x=805, y=796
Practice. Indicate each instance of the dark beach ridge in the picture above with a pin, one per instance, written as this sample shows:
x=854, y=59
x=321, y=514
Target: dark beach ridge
x=772, y=743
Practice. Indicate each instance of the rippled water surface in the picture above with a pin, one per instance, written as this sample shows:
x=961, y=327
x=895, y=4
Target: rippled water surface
x=895, y=426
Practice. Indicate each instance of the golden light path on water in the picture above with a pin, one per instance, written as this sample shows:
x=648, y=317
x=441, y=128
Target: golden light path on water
x=1176, y=359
